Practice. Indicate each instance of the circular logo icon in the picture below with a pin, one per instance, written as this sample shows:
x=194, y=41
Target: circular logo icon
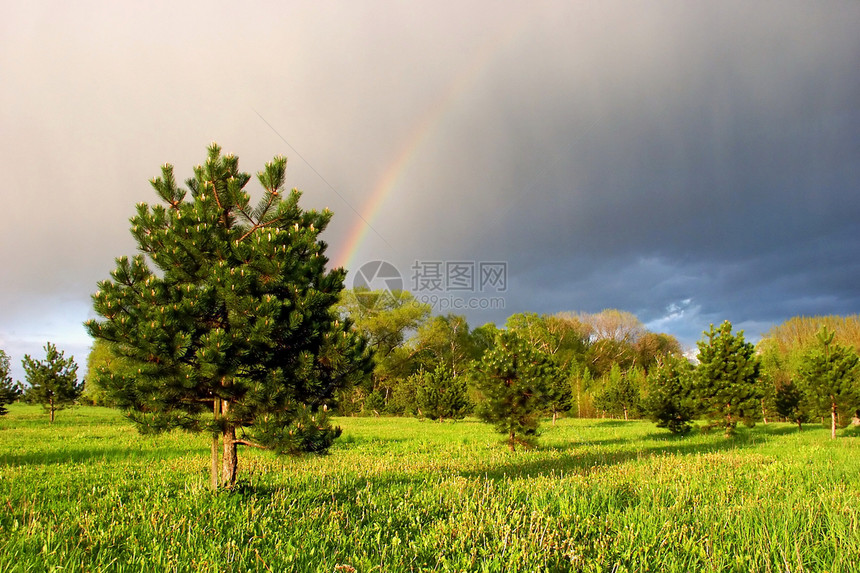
x=376, y=281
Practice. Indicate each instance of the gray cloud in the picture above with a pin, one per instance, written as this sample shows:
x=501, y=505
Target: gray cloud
x=687, y=162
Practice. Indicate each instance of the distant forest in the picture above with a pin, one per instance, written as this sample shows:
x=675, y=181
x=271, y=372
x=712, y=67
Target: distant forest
x=610, y=365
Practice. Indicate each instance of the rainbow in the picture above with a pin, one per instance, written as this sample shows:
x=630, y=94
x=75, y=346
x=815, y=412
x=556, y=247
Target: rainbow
x=423, y=130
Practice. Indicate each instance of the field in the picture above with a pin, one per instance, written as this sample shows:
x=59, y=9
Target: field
x=90, y=494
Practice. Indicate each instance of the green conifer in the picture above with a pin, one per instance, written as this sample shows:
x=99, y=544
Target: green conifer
x=828, y=374
x=233, y=331
x=439, y=394
x=513, y=382
x=726, y=385
x=667, y=401
x=53, y=382
x=9, y=391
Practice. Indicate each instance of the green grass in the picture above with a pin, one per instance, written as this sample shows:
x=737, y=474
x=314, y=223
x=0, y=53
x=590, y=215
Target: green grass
x=90, y=494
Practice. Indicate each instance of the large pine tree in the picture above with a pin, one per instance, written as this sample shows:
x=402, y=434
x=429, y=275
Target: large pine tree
x=233, y=332
x=726, y=381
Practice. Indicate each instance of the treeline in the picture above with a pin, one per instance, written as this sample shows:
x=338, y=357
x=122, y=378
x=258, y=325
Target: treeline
x=602, y=357
x=605, y=364
x=598, y=365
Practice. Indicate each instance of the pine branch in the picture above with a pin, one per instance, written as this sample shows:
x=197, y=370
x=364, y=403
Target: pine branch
x=259, y=226
x=250, y=443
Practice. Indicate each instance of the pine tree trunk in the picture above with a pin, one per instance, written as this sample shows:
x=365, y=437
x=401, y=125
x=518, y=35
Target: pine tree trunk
x=51, y=402
x=625, y=414
x=230, y=458
x=511, y=443
x=799, y=426
x=833, y=420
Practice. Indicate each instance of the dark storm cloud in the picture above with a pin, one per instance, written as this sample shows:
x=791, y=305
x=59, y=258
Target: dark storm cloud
x=713, y=157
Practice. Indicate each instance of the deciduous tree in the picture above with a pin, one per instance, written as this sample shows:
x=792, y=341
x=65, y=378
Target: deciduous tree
x=385, y=319
x=445, y=340
x=100, y=363
x=652, y=348
x=581, y=384
x=613, y=338
x=483, y=338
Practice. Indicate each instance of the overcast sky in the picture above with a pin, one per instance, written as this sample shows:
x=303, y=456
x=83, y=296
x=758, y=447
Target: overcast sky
x=689, y=162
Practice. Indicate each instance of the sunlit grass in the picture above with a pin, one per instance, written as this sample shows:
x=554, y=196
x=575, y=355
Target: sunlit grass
x=89, y=493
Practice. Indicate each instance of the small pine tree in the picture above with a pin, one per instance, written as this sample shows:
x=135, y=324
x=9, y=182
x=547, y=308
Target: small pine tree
x=726, y=381
x=620, y=394
x=829, y=377
x=53, y=381
x=439, y=394
x=512, y=380
x=789, y=403
x=402, y=401
x=667, y=401
x=374, y=404
x=560, y=396
x=9, y=391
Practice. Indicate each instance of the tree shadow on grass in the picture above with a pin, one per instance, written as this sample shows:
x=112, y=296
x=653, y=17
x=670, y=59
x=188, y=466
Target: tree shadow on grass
x=576, y=445
x=576, y=459
x=753, y=435
x=90, y=454
x=773, y=430
x=580, y=459
x=611, y=423
x=850, y=432
x=353, y=442
x=557, y=460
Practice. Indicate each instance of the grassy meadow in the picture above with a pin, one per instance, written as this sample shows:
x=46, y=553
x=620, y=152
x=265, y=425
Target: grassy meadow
x=90, y=494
